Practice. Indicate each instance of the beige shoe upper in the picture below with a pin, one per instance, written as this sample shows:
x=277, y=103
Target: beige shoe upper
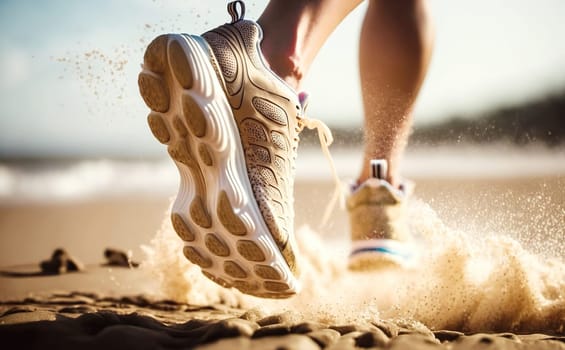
x=377, y=211
x=267, y=114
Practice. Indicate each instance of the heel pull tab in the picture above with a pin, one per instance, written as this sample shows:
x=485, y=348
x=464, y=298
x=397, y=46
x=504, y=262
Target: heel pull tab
x=233, y=10
x=379, y=169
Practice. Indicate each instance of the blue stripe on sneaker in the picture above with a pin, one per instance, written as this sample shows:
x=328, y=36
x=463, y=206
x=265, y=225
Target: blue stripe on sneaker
x=383, y=250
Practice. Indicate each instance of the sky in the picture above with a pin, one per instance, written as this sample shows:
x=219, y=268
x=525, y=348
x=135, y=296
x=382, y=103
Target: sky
x=68, y=68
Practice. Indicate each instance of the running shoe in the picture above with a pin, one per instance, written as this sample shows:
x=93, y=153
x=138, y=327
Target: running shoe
x=231, y=126
x=379, y=232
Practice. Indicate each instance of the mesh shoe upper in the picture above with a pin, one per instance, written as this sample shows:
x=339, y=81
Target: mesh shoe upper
x=377, y=211
x=266, y=111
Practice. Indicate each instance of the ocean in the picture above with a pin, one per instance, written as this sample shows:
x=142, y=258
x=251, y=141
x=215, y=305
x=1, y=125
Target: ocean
x=56, y=180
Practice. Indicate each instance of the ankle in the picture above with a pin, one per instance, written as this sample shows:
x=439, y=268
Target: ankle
x=282, y=45
x=286, y=65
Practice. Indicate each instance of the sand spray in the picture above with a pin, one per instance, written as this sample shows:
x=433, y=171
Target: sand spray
x=462, y=282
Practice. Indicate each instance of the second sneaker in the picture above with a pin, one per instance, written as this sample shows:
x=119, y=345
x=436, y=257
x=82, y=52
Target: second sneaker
x=380, y=235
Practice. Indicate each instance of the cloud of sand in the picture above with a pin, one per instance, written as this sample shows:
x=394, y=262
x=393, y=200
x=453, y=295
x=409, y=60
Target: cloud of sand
x=462, y=282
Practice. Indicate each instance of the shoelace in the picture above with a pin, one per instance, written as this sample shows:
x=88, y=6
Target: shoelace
x=326, y=139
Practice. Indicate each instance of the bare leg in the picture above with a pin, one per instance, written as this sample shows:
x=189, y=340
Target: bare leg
x=295, y=30
x=395, y=49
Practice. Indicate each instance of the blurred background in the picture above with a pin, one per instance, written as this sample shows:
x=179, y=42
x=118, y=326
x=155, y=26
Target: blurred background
x=73, y=126
x=68, y=72
x=69, y=100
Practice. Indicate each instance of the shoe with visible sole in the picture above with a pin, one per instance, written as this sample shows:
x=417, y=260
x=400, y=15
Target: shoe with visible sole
x=231, y=126
x=379, y=232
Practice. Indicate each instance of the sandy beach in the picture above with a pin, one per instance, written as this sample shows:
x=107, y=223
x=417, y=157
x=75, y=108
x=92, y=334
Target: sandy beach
x=88, y=320
x=97, y=99
x=493, y=276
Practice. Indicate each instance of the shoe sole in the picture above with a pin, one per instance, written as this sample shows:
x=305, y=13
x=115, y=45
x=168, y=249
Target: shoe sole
x=215, y=213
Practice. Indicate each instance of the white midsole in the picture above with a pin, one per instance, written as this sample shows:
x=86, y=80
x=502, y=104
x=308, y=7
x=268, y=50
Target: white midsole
x=228, y=174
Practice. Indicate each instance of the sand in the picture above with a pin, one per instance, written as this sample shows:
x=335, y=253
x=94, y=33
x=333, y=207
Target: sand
x=493, y=277
x=88, y=320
